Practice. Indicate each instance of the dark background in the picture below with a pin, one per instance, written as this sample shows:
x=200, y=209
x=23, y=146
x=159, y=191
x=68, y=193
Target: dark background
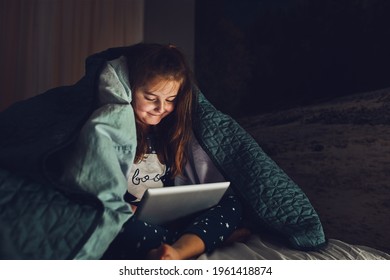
x=256, y=56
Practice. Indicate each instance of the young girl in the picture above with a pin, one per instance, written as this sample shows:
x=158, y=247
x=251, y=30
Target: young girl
x=162, y=100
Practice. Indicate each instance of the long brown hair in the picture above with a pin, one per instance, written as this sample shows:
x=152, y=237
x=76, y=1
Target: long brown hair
x=147, y=62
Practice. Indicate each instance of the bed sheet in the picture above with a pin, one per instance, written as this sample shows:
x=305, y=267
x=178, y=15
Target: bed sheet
x=258, y=248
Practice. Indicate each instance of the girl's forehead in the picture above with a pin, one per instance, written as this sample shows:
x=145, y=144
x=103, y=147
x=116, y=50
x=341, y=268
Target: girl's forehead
x=162, y=86
x=160, y=81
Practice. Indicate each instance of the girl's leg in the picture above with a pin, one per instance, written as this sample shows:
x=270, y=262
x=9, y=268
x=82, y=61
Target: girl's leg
x=208, y=231
x=136, y=239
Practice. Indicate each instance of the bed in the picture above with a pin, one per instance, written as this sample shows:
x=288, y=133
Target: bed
x=260, y=248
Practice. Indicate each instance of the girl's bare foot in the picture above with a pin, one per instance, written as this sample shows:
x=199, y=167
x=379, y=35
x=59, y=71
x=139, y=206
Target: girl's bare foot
x=239, y=235
x=186, y=247
x=164, y=252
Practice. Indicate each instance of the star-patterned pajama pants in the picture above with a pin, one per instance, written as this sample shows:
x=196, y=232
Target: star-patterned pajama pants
x=213, y=226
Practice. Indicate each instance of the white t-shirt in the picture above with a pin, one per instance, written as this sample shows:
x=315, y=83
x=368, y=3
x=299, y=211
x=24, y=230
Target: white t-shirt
x=144, y=175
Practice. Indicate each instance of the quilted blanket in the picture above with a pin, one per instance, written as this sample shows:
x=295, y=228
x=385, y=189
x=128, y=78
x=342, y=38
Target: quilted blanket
x=64, y=154
x=274, y=201
x=39, y=222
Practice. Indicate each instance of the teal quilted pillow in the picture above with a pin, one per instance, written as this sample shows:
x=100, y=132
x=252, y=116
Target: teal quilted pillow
x=273, y=199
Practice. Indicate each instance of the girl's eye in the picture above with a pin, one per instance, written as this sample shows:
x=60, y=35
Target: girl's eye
x=171, y=101
x=150, y=99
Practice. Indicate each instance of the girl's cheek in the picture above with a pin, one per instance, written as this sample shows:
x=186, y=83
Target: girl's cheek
x=145, y=107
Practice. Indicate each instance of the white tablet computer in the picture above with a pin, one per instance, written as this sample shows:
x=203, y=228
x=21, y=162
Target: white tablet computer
x=162, y=205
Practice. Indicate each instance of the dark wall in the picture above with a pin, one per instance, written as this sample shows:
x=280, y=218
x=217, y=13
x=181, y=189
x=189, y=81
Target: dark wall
x=254, y=56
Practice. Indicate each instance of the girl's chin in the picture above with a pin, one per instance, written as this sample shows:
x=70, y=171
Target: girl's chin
x=151, y=121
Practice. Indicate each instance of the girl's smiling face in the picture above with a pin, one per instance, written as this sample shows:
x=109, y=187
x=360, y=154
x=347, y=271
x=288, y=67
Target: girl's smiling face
x=155, y=100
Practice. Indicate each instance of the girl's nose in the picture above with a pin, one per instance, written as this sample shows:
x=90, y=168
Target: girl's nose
x=160, y=106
